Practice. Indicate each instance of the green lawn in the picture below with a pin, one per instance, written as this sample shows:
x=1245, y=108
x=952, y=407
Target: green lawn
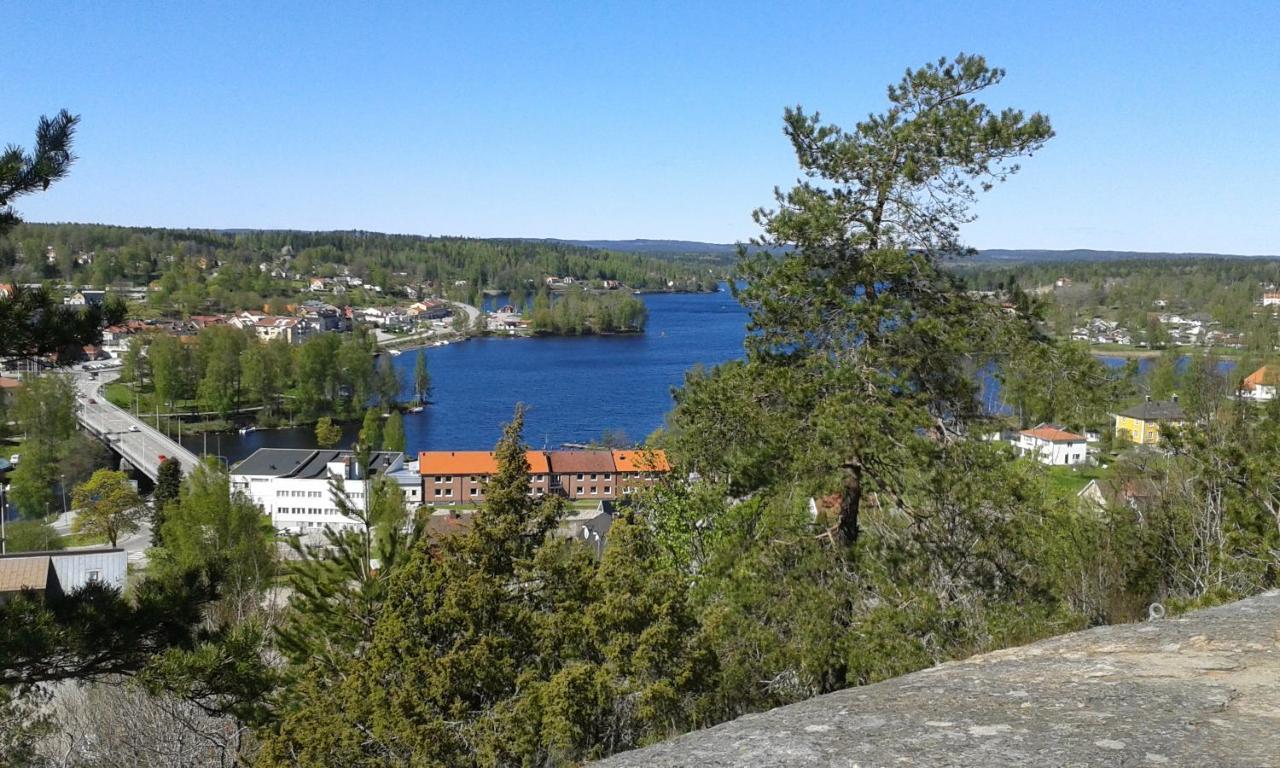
x=1067, y=481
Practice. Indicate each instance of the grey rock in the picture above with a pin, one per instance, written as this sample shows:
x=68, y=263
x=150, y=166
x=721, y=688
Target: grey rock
x=1202, y=689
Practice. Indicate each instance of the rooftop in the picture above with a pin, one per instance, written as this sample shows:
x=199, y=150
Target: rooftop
x=1156, y=410
x=1053, y=434
x=581, y=461
x=473, y=462
x=641, y=461
x=303, y=463
x=28, y=571
x=1197, y=690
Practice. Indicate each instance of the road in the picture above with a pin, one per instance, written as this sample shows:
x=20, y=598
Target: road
x=129, y=436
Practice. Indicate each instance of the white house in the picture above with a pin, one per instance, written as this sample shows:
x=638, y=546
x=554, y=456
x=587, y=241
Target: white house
x=1260, y=386
x=1049, y=444
x=1271, y=299
x=292, y=485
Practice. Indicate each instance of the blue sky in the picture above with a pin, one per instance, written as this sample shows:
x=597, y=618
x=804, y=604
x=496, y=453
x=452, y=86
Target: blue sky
x=622, y=120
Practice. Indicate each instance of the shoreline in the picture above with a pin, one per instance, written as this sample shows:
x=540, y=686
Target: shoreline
x=1098, y=350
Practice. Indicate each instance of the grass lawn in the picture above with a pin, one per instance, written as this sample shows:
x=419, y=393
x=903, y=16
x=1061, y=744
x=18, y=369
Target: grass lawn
x=1067, y=481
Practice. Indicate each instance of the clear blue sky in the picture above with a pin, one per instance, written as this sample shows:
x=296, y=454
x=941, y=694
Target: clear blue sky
x=637, y=119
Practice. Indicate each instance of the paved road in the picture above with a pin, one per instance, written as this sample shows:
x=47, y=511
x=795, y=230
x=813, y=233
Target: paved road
x=129, y=436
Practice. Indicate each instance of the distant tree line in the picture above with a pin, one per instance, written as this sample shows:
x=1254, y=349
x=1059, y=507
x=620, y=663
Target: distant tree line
x=139, y=256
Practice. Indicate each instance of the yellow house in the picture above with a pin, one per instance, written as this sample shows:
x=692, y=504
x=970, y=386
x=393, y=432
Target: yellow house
x=1141, y=423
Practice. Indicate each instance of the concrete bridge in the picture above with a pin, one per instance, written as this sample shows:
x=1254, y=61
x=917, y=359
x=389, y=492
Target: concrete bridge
x=139, y=444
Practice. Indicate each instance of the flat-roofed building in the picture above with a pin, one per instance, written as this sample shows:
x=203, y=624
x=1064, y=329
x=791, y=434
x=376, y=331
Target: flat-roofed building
x=292, y=485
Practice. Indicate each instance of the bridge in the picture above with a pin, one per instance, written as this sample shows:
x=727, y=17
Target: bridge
x=135, y=441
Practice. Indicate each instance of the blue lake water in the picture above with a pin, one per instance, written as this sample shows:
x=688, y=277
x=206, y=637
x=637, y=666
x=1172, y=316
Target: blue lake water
x=573, y=388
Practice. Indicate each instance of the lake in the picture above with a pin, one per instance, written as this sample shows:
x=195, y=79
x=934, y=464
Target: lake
x=573, y=388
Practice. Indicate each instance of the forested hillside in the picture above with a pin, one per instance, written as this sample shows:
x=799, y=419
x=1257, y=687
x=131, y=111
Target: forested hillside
x=107, y=255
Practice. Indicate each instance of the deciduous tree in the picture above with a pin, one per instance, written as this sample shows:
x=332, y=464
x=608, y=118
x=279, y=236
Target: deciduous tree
x=107, y=505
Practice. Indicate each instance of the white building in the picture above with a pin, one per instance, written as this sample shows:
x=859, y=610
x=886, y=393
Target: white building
x=1049, y=444
x=292, y=485
x=1271, y=299
x=1260, y=386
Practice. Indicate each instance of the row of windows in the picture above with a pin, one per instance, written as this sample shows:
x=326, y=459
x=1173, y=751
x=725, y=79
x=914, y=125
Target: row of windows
x=299, y=494
x=306, y=511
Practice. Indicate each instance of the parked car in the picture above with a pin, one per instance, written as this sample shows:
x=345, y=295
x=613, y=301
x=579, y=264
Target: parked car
x=92, y=401
x=134, y=428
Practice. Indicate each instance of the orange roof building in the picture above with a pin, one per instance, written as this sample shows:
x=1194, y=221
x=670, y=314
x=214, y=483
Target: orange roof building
x=1053, y=434
x=641, y=461
x=432, y=463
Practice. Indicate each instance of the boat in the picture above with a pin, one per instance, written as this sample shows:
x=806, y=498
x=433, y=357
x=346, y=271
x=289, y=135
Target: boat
x=248, y=429
x=416, y=409
x=396, y=353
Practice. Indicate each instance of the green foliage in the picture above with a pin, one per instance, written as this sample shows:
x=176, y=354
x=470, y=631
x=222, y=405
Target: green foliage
x=393, y=438
x=33, y=485
x=327, y=433
x=168, y=489
x=576, y=312
x=1061, y=383
x=23, y=173
x=564, y=658
x=107, y=505
x=95, y=632
x=421, y=378
x=371, y=430
x=386, y=382
x=45, y=407
x=211, y=529
x=198, y=270
x=31, y=536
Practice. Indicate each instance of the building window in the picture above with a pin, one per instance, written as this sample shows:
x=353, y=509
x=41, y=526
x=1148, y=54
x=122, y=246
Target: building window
x=579, y=476
x=593, y=475
x=606, y=490
x=93, y=576
x=579, y=491
x=593, y=490
x=474, y=491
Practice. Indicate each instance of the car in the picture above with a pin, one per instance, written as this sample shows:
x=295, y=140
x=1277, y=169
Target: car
x=162, y=458
x=92, y=401
x=134, y=428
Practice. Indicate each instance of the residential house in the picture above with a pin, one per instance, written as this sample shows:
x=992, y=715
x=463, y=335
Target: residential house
x=1135, y=494
x=1260, y=386
x=1141, y=423
x=1053, y=445
x=1271, y=299
x=86, y=299
x=62, y=571
x=292, y=486
x=429, y=309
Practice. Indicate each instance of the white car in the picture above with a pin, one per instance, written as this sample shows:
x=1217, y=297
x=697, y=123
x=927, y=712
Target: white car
x=134, y=428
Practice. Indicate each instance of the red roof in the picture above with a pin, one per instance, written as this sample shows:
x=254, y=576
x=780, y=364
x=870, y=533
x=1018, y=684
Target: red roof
x=1264, y=376
x=472, y=463
x=1053, y=434
x=641, y=460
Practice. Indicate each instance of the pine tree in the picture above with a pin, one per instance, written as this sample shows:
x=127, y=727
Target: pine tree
x=421, y=378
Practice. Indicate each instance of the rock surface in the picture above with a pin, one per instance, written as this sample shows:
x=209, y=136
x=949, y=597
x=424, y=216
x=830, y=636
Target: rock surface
x=1199, y=690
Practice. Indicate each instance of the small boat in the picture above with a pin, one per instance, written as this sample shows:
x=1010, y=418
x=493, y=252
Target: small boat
x=248, y=429
x=416, y=409
x=396, y=353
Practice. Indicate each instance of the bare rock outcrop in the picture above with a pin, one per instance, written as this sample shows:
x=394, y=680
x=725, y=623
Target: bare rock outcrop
x=1202, y=689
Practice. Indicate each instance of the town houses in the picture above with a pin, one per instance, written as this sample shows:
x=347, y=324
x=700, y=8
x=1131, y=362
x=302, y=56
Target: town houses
x=459, y=477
